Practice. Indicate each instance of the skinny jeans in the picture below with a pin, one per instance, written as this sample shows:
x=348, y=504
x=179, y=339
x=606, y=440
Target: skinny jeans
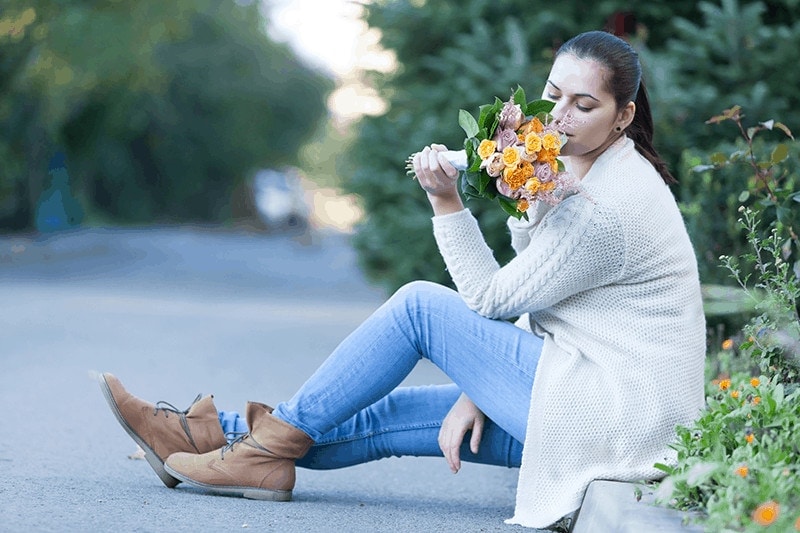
x=355, y=411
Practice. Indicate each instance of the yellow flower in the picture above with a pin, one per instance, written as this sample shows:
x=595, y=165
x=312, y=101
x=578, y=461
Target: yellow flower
x=727, y=344
x=755, y=382
x=757, y=400
x=532, y=185
x=533, y=143
x=548, y=186
x=766, y=513
x=724, y=384
x=522, y=205
x=486, y=148
x=742, y=471
x=510, y=156
x=734, y=394
x=551, y=142
x=749, y=438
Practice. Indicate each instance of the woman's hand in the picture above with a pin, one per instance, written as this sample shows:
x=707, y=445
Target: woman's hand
x=463, y=417
x=439, y=179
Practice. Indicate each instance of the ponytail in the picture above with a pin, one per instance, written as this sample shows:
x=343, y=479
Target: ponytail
x=641, y=133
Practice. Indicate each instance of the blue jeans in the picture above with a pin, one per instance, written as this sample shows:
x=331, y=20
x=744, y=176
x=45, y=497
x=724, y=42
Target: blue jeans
x=355, y=412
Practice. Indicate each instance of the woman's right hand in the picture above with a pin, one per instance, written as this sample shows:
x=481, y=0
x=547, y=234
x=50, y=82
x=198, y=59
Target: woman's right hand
x=438, y=178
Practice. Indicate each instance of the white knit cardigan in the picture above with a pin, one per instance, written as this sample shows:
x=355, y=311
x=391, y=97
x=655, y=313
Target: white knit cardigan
x=609, y=279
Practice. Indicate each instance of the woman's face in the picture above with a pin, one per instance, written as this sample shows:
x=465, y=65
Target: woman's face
x=588, y=111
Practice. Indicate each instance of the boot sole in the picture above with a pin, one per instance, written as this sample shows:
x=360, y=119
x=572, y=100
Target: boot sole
x=150, y=456
x=250, y=493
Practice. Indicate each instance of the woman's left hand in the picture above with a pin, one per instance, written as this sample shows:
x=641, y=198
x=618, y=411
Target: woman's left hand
x=463, y=417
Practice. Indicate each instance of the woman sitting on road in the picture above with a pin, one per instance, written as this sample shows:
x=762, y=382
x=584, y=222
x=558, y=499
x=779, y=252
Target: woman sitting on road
x=606, y=359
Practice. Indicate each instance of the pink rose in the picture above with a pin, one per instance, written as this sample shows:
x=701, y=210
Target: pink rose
x=505, y=138
x=505, y=189
x=494, y=164
x=511, y=116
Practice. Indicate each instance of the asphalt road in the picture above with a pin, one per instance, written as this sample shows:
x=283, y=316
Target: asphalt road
x=175, y=311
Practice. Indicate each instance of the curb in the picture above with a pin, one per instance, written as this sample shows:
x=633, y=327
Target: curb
x=615, y=506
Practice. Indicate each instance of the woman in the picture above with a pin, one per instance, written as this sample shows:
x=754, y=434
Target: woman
x=606, y=359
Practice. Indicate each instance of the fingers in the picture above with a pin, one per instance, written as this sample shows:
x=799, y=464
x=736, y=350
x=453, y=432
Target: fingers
x=450, y=444
x=477, y=433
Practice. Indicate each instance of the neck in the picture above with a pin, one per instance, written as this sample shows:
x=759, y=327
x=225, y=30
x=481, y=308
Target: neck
x=579, y=165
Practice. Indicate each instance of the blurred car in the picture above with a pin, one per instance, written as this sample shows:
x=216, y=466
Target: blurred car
x=280, y=199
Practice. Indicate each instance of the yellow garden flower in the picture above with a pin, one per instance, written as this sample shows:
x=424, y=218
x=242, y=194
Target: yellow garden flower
x=486, y=148
x=533, y=143
x=532, y=185
x=757, y=400
x=724, y=384
x=749, y=438
x=734, y=394
x=766, y=513
x=551, y=142
x=727, y=344
x=510, y=156
x=742, y=471
x=755, y=382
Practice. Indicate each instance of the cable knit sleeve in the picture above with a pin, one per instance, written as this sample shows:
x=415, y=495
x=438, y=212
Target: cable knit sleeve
x=576, y=246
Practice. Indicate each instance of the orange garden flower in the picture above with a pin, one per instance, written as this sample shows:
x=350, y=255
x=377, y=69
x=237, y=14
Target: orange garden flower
x=516, y=176
x=522, y=204
x=727, y=344
x=797, y=524
x=724, y=384
x=757, y=400
x=742, y=471
x=734, y=394
x=749, y=438
x=766, y=513
x=755, y=382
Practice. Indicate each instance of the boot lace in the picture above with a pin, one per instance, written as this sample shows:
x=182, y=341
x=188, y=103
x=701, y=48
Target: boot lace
x=168, y=408
x=237, y=437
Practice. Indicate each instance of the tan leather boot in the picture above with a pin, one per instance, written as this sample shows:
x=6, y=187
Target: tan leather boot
x=161, y=429
x=259, y=465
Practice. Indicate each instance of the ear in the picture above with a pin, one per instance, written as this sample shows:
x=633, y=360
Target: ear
x=625, y=116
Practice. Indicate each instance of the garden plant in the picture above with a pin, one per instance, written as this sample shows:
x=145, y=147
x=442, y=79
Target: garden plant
x=739, y=463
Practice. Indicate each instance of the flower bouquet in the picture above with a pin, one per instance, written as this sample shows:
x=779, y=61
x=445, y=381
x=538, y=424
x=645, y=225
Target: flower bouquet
x=511, y=155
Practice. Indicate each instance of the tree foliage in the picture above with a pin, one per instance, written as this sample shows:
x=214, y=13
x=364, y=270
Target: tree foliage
x=698, y=57
x=162, y=108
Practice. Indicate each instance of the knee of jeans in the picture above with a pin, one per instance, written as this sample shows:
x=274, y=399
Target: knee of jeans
x=414, y=293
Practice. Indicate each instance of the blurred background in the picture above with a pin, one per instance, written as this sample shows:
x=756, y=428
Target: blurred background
x=297, y=115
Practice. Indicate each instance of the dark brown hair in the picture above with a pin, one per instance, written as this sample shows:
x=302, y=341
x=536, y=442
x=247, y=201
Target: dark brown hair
x=625, y=83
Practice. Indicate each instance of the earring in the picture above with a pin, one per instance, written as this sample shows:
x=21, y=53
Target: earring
x=618, y=128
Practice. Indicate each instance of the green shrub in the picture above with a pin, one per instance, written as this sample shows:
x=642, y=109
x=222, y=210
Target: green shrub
x=738, y=464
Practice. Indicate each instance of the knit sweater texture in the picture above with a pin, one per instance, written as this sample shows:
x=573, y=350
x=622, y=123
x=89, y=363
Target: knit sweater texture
x=609, y=279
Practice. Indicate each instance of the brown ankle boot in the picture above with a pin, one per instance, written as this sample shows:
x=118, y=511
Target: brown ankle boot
x=259, y=466
x=161, y=429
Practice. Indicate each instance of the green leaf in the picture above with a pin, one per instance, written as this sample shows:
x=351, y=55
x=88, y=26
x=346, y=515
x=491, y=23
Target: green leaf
x=468, y=123
x=664, y=468
x=519, y=97
x=743, y=196
x=539, y=106
x=780, y=153
x=718, y=158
